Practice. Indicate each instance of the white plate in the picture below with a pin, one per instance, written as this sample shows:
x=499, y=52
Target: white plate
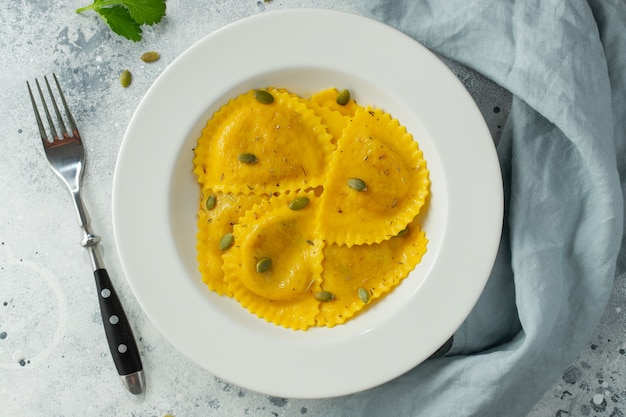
x=155, y=197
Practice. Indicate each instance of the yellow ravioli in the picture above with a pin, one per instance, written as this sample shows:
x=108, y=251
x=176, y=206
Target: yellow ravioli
x=215, y=219
x=251, y=147
x=328, y=99
x=284, y=293
x=375, y=269
x=377, y=151
x=334, y=116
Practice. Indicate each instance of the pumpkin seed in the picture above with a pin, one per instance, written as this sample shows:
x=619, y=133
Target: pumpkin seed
x=210, y=202
x=248, y=158
x=263, y=265
x=227, y=241
x=299, y=203
x=357, y=184
x=150, y=56
x=264, y=97
x=363, y=295
x=403, y=232
x=125, y=78
x=324, y=296
x=343, y=97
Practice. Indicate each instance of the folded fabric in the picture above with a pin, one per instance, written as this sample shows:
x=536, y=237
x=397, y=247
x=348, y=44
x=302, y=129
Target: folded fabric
x=562, y=154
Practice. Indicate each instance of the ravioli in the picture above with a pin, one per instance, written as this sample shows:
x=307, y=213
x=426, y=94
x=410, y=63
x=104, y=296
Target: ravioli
x=310, y=209
x=253, y=147
x=217, y=215
x=334, y=116
x=283, y=292
x=360, y=274
x=377, y=150
x=328, y=99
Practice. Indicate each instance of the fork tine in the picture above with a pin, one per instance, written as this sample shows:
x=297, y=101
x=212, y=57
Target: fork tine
x=55, y=135
x=72, y=123
x=56, y=110
x=42, y=130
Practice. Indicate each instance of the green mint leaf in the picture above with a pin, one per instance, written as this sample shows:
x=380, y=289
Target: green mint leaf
x=120, y=21
x=145, y=12
x=125, y=17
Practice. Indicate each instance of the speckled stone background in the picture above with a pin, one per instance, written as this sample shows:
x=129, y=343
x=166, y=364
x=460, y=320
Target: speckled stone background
x=53, y=357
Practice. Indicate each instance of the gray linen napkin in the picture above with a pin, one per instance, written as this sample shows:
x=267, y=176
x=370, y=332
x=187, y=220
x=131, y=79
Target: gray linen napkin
x=563, y=159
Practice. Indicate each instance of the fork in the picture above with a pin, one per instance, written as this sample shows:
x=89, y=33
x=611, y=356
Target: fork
x=66, y=157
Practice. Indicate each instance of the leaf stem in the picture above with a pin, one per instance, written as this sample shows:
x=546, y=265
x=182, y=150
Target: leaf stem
x=98, y=4
x=83, y=9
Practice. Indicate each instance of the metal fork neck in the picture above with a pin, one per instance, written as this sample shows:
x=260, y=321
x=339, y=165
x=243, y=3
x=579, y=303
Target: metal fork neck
x=90, y=240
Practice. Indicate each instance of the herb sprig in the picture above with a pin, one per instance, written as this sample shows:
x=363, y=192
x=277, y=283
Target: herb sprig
x=125, y=17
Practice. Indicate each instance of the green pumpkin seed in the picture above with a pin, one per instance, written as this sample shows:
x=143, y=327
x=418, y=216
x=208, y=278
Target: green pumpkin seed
x=263, y=265
x=248, y=158
x=150, y=56
x=357, y=184
x=299, y=203
x=227, y=241
x=125, y=78
x=263, y=96
x=343, y=97
x=210, y=202
x=324, y=296
x=403, y=232
x=363, y=295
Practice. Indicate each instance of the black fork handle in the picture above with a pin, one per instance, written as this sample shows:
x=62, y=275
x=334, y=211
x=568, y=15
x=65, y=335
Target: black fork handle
x=119, y=334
